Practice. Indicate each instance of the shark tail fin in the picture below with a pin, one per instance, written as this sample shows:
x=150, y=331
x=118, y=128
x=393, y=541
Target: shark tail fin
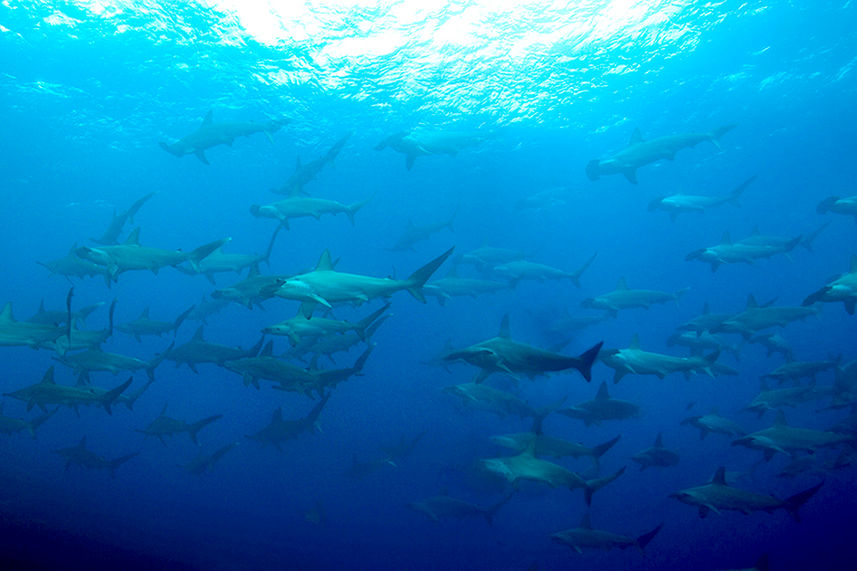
x=180, y=319
x=37, y=422
x=719, y=132
x=199, y=254
x=807, y=242
x=644, y=539
x=825, y=205
x=267, y=258
x=491, y=511
x=586, y=359
x=735, y=195
x=596, y=484
x=575, y=277
x=111, y=395
x=794, y=503
x=418, y=279
x=114, y=464
x=133, y=397
x=197, y=426
x=364, y=324
x=352, y=209
x=601, y=449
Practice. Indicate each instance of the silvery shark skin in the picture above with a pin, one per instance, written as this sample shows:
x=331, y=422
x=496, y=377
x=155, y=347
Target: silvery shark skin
x=551, y=446
x=446, y=507
x=198, y=350
x=299, y=328
x=166, y=426
x=713, y=422
x=634, y=360
x=717, y=496
x=48, y=392
x=796, y=370
x=518, y=270
x=769, y=399
x=306, y=172
x=745, y=251
x=420, y=142
x=846, y=205
x=326, y=286
x=130, y=255
x=204, y=463
x=24, y=333
x=677, y=204
x=584, y=537
x=219, y=261
x=502, y=354
x=91, y=360
x=488, y=257
x=706, y=321
x=414, y=234
x=843, y=288
x=252, y=290
x=624, y=298
x=210, y=134
x=656, y=456
x=788, y=439
x=278, y=430
x=73, y=266
x=305, y=207
x=80, y=456
x=756, y=318
x=639, y=153
x=489, y=399
x=144, y=325
x=10, y=425
x=602, y=408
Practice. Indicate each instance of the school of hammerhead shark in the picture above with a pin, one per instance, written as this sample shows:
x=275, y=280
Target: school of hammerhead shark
x=314, y=333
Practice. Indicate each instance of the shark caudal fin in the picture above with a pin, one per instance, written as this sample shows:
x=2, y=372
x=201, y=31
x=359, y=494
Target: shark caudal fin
x=171, y=149
x=352, y=209
x=198, y=254
x=644, y=539
x=735, y=195
x=132, y=398
x=719, y=132
x=418, y=279
x=363, y=325
x=593, y=169
x=180, y=319
x=575, y=276
x=596, y=484
x=794, y=503
x=586, y=359
x=491, y=511
x=825, y=205
x=267, y=257
x=197, y=426
x=38, y=421
x=601, y=449
x=114, y=464
x=110, y=396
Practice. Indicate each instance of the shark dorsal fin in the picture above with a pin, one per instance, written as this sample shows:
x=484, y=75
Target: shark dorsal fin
x=198, y=335
x=324, y=262
x=144, y=314
x=706, y=309
x=659, y=441
x=636, y=137
x=719, y=476
x=505, y=333
x=48, y=377
x=268, y=349
x=278, y=415
x=780, y=419
x=751, y=301
x=6, y=314
x=635, y=341
x=602, y=392
x=82, y=443
x=853, y=267
x=133, y=239
x=209, y=117
x=727, y=238
x=586, y=521
x=164, y=410
x=42, y=306
x=622, y=284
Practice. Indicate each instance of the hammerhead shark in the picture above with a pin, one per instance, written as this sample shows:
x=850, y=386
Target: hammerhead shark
x=278, y=430
x=211, y=134
x=84, y=458
x=502, y=354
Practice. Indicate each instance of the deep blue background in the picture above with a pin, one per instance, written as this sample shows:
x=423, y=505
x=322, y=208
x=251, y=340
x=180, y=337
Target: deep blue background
x=83, y=108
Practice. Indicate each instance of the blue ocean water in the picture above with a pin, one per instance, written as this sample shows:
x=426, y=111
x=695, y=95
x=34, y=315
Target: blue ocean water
x=91, y=87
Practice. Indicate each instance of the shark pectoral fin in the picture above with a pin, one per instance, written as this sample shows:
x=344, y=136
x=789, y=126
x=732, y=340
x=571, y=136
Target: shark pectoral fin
x=200, y=154
x=631, y=175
